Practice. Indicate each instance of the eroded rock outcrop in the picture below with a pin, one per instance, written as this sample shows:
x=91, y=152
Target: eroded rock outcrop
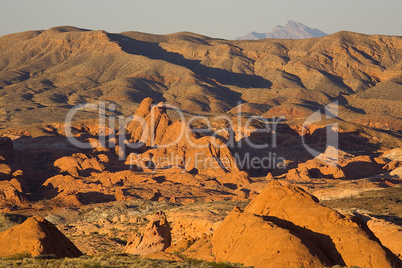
x=78, y=164
x=249, y=239
x=36, y=236
x=315, y=168
x=284, y=226
x=246, y=238
x=175, y=145
x=11, y=193
x=362, y=166
x=342, y=240
x=156, y=237
x=390, y=234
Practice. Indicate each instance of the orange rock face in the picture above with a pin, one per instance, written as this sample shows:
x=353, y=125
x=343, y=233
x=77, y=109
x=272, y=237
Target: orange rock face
x=11, y=193
x=245, y=238
x=36, y=236
x=175, y=145
x=77, y=164
x=315, y=168
x=135, y=127
x=342, y=240
x=388, y=233
x=362, y=167
x=156, y=237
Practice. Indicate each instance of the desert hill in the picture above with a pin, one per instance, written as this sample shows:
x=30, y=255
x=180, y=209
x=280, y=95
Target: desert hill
x=45, y=73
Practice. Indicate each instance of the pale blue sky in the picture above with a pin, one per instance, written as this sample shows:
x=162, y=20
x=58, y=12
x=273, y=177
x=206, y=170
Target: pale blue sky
x=216, y=18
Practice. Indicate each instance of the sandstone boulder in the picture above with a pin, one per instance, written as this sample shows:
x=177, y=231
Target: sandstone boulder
x=394, y=154
x=392, y=165
x=397, y=172
x=156, y=237
x=313, y=169
x=5, y=171
x=390, y=234
x=362, y=167
x=11, y=193
x=245, y=238
x=342, y=240
x=78, y=164
x=36, y=236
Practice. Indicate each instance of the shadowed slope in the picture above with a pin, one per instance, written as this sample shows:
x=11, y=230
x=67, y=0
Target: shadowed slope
x=48, y=72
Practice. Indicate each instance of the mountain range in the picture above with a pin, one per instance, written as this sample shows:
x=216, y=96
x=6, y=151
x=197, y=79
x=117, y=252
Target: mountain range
x=292, y=30
x=43, y=74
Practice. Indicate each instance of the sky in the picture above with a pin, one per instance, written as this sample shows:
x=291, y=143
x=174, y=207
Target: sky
x=226, y=19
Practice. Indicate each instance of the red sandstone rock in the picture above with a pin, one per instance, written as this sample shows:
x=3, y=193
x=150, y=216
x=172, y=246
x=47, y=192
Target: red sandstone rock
x=156, y=237
x=76, y=164
x=11, y=193
x=245, y=238
x=36, y=236
x=342, y=240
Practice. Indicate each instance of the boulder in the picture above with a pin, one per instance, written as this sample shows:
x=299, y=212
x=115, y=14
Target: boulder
x=341, y=239
x=397, y=172
x=313, y=169
x=390, y=234
x=5, y=171
x=36, y=236
x=78, y=164
x=362, y=166
x=394, y=154
x=156, y=237
x=249, y=239
x=392, y=165
x=11, y=193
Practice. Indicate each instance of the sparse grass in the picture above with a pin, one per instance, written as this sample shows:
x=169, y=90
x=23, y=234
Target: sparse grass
x=110, y=260
x=18, y=256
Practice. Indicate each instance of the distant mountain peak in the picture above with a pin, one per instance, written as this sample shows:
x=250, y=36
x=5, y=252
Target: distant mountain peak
x=292, y=30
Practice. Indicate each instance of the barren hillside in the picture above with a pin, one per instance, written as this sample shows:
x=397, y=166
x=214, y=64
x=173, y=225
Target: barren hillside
x=45, y=73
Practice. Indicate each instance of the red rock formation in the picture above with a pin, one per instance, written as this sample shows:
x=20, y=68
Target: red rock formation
x=341, y=239
x=36, y=236
x=73, y=191
x=77, y=164
x=362, y=167
x=388, y=233
x=11, y=193
x=315, y=168
x=135, y=127
x=176, y=145
x=245, y=238
x=156, y=237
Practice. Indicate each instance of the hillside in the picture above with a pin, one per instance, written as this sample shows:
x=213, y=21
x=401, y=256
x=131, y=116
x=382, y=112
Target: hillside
x=45, y=73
